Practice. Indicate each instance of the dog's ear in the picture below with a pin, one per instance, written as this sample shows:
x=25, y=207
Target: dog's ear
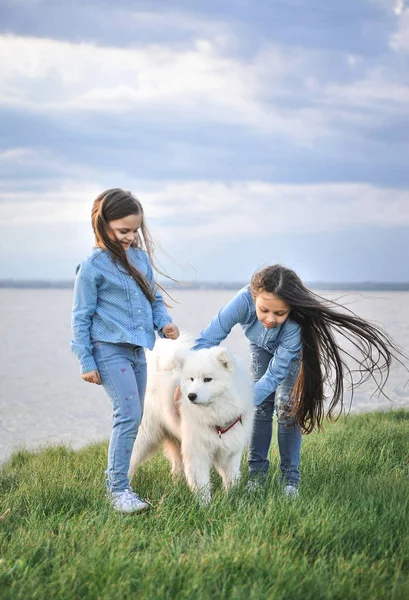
x=225, y=358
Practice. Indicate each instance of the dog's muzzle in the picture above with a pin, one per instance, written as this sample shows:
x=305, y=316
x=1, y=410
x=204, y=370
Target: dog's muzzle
x=192, y=397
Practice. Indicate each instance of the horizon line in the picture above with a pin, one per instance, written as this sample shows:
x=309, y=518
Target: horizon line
x=374, y=285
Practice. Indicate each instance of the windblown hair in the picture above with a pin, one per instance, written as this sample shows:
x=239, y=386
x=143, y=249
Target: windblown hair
x=320, y=320
x=116, y=204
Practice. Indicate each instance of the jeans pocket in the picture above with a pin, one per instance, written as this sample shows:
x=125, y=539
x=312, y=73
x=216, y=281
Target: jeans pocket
x=139, y=360
x=104, y=351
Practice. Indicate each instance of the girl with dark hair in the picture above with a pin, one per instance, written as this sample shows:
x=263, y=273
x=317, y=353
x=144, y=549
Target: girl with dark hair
x=117, y=308
x=293, y=353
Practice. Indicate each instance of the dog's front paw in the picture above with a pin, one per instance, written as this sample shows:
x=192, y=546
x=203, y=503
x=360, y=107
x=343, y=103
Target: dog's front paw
x=204, y=496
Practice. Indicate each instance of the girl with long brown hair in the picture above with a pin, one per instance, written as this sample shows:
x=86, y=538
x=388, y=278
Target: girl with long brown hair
x=117, y=308
x=294, y=355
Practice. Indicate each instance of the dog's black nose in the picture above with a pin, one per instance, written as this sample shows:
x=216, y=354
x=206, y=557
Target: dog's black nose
x=192, y=397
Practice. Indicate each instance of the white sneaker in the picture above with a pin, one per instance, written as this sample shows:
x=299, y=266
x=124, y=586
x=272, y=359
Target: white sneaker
x=291, y=491
x=127, y=502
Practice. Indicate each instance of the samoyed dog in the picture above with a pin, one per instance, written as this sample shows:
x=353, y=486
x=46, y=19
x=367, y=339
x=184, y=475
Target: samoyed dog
x=211, y=423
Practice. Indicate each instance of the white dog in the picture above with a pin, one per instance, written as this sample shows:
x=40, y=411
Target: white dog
x=211, y=424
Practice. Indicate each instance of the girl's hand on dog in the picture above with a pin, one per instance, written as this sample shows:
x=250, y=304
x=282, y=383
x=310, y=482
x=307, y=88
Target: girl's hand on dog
x=92, y=377
x=170, y=331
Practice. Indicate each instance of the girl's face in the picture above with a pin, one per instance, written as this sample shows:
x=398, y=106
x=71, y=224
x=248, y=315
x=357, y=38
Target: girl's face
x=126, y=229
x=271, y=310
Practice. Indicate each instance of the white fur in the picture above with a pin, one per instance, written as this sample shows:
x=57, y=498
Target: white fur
x=190, y=438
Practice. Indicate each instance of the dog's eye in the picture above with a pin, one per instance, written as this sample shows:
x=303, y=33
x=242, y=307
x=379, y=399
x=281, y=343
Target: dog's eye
x=207, y=379
x=191, y=379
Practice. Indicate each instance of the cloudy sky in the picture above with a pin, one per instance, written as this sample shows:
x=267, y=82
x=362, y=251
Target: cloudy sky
x=252, y=131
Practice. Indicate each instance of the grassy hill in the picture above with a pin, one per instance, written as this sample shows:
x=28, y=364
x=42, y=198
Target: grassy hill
x=347, y=536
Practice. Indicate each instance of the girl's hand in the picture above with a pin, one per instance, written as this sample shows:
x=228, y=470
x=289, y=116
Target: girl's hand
x=92, y=377
x=170, y=331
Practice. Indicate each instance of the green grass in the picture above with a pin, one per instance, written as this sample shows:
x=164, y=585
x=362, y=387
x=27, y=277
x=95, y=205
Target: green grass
x=347, y=536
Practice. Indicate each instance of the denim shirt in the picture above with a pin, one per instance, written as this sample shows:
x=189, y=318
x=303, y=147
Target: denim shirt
x=109, y=306
x=284, y=341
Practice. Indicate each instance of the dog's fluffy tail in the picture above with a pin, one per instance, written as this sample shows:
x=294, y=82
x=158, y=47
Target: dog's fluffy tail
x=145, y=446
x=170, y=354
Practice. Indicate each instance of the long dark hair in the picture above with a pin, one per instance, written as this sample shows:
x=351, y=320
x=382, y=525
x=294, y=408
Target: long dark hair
x=116, y=204
x=322, y=361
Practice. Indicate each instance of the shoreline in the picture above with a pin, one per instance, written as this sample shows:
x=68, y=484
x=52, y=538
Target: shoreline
x=346, y=286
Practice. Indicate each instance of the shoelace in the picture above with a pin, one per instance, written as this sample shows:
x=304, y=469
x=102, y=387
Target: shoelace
x=130, y=495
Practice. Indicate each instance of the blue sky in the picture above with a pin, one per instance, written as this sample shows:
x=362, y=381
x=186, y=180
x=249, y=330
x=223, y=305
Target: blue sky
x=252, y=132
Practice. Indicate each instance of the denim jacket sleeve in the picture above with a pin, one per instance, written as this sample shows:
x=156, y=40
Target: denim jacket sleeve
x=160, y=315
x=84, y=306
x=279, y=366
x=236, y=311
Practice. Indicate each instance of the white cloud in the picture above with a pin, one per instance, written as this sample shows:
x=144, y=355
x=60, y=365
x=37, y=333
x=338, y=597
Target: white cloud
x=352, y=60
x=380, y=88
x=38, y=158
x=207, y=210
x=254, y=208
x=289, y=92
x=67, y=201
x=399, y=7
x=400, y=39
x=278, y=91
x=198, y=82
x=16, y=155
x=165, y=22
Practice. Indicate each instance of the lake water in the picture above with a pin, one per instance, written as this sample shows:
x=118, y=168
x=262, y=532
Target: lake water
x=43, y=399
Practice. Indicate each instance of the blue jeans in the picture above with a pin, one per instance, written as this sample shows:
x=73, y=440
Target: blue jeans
x=289, y=433
x=122, y=368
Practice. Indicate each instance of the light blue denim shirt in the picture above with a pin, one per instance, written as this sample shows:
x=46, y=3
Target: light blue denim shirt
x=109, y=306
x=284, y=341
